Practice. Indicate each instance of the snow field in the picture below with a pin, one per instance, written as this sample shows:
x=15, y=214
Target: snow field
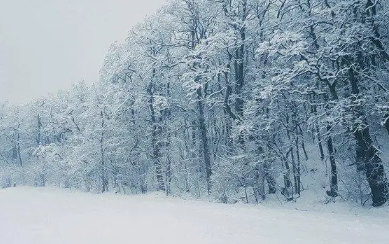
x=54, y=216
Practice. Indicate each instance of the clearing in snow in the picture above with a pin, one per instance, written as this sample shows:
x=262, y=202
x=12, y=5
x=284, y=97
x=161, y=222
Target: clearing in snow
x=40, y=216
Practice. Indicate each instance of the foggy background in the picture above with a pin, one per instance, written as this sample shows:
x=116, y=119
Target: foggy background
x=46, y=45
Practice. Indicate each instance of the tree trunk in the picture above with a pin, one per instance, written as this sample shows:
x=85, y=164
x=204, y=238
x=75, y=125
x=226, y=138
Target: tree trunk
x=156, y=146
x=239, y=69
x=204, y=147
x=259, y=185
x=298, y=169
x=19, y=151
x=287, y=191
x=39, y=135
x=320, y=144
x=367, y=158
x=271, y=182
x=333, y=192
x=104, y=180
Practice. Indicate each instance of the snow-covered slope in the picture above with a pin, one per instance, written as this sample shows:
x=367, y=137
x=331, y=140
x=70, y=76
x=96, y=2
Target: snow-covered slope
x=40, y=216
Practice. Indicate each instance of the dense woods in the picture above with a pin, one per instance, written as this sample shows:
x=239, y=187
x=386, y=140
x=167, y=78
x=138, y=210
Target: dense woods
x=229, y=99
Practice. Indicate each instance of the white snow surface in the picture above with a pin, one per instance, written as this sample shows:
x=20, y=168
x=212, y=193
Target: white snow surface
x=45, y=215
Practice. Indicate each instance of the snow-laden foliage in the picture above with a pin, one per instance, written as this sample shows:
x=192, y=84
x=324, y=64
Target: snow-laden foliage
x=233, y=99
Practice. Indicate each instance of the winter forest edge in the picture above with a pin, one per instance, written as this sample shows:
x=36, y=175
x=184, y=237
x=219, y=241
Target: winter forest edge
x=233, y=100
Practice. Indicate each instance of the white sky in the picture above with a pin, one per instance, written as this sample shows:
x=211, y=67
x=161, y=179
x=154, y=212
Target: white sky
x=46, y=45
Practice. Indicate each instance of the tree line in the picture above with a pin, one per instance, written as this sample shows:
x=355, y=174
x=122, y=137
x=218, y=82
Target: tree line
x=232, y=99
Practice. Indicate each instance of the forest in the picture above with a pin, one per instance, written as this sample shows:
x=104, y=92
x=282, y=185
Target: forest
x=232, y=100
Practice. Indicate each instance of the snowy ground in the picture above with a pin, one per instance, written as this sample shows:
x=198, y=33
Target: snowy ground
x=40, y=216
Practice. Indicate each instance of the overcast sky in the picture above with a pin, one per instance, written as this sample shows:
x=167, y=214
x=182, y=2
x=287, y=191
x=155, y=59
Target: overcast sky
x=46, y=45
